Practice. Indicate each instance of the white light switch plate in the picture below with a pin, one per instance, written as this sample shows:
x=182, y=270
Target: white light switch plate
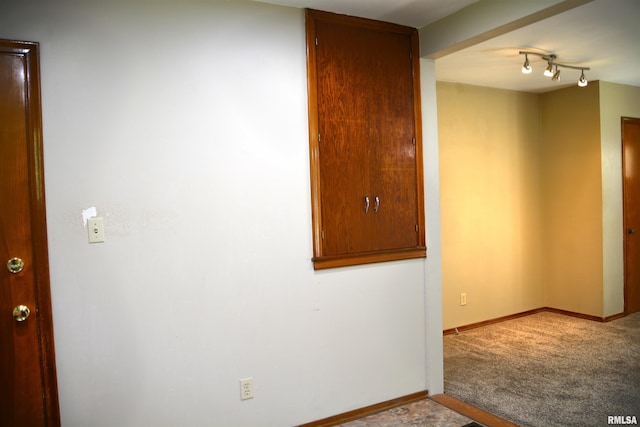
x=95, y=228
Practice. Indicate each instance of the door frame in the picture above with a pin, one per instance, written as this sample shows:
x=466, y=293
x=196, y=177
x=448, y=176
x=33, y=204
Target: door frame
x=39, y=242
x=626, y=226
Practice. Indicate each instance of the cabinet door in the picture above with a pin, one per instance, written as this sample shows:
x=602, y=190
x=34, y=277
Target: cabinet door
x=366, y=174
x=392, y=157
x=344, y=125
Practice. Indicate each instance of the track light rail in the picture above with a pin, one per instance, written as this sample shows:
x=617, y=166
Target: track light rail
x=552, y=59
x=551, y=63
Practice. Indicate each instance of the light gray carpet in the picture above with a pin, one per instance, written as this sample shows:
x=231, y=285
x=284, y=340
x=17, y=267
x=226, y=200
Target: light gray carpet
x=548, y=369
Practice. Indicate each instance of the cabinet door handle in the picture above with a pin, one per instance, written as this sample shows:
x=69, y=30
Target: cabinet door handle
x=366, y=204
x=377, y=205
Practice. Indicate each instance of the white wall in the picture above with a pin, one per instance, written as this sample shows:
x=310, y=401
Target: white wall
x=185, y=124
x=433, y=265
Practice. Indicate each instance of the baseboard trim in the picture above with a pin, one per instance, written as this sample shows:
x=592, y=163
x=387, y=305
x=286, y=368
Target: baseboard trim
x=491, y=321
x=483, y=417
x=530, y=312
x=614, y=317
x=585, y=316
x=367, y=410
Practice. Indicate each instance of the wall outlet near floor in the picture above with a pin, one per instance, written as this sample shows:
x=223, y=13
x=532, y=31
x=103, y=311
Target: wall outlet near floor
x=463, y=298
x=246, y=388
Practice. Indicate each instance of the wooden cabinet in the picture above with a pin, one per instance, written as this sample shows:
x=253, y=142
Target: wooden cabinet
x=365, y=140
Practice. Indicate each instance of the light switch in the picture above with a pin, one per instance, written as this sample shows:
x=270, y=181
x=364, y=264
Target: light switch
x=95, y=228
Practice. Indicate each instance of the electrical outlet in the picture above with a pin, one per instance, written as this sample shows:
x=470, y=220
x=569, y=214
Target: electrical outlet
x=463, y=298
x=246, y=388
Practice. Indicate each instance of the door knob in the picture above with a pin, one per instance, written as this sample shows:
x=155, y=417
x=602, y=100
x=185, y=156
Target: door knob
x=15, y=265
x=20, y=313
x=631, y=231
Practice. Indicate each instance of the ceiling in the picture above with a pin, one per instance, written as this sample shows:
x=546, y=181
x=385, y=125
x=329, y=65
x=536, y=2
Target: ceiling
x=602, y=34
x=414, y=13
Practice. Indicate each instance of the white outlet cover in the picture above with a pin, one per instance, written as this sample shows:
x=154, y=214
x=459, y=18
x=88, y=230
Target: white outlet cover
x=246, y=388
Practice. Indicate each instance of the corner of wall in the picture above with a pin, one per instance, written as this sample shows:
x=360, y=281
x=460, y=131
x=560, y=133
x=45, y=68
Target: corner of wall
x=572, y=199
x=433, y=264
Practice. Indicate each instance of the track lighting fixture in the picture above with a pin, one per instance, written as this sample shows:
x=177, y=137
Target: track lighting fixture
x=549, y=71
x=526, y=68
x=552, y=69
x=582, y=82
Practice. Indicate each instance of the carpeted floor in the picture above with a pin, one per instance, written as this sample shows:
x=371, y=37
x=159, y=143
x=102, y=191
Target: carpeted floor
x=548, y=369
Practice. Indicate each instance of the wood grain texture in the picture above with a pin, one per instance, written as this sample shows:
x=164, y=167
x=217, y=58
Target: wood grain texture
x=27, y=362
x=365, y=140
x=631, y=192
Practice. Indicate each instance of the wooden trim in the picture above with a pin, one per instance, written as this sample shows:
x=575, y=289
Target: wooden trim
x=530, y=312
x=491, y=321
x=314, y=147
x=476, y=414
x=320, y=263
x=367, y=410
x=584, y=316
x=614, y=317
x=335, y=18
x=417, y=114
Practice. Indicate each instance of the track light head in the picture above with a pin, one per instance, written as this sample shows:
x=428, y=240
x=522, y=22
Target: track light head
x=556, y=75
x=549, y=71
x=526, y=68
x=582, y=82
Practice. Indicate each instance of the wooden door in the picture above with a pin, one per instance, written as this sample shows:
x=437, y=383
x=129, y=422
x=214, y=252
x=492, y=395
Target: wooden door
x=28, y=391
x=631, y=186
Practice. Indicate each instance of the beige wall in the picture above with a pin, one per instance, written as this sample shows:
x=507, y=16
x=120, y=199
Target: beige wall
x=490, y=202
x=616, y=101
x=572, y=199
x=531, y=189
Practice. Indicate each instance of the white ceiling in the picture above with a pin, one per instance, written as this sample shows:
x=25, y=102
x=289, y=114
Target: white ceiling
x=414, y=13
x=603, y=35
